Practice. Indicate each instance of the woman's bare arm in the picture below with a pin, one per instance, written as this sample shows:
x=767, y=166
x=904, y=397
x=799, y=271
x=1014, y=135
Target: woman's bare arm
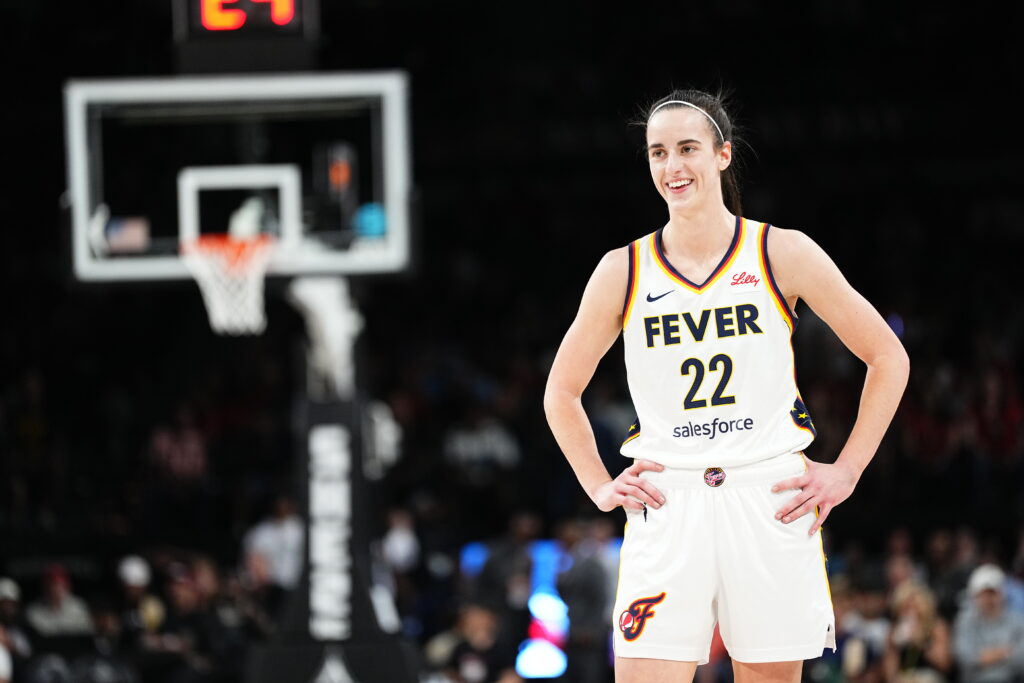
x=598, y=323
x=803, y=270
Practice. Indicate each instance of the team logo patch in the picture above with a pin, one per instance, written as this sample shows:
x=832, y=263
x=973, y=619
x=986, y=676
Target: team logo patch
x=631, y=622
x=714, y=476
x=634, y=431
x=801, y=417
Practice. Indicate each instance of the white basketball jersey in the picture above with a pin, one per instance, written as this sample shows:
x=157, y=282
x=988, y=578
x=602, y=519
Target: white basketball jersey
x=710, y=366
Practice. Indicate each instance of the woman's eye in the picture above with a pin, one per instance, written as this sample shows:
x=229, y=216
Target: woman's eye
x=687, y=150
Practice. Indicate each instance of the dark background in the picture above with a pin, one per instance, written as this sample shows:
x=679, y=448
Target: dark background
x=886, y=131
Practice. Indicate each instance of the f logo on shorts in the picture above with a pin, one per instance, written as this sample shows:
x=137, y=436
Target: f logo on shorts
x=631, y=622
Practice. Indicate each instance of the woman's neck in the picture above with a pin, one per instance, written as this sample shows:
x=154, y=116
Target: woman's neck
x=703, y=235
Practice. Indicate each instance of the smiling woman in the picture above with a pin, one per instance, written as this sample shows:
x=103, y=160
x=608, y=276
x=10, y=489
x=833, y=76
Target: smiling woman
x=705, y=305
x=724, y=135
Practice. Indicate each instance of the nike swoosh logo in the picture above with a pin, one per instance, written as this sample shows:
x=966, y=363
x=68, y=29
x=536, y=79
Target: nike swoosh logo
x=655, y=298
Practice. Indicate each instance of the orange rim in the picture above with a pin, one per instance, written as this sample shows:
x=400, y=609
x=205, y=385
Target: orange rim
x=237, y=253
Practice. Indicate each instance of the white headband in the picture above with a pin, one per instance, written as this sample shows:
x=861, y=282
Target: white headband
x=695, y=107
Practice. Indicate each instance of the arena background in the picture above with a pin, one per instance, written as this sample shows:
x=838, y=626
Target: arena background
x=885, y=131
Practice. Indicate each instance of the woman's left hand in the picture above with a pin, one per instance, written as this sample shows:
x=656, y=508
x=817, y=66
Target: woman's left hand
x=823, y=485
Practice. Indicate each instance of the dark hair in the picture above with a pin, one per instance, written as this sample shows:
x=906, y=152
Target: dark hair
x=715, y=106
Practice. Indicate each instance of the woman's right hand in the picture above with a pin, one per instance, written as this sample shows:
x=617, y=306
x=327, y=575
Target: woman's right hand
x=629, y=489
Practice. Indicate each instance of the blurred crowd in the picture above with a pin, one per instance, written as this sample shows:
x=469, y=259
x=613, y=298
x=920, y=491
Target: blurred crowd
x=946, y=611
x=177, y=617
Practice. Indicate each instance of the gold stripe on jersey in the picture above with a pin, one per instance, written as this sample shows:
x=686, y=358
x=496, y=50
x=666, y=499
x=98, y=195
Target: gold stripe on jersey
x=634, y=278
x=766, y=270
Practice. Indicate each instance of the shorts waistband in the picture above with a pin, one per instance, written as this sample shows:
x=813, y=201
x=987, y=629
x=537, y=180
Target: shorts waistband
x=767, y=471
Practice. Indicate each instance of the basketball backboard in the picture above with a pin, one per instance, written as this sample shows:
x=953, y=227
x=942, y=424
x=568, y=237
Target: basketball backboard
x=319, y=161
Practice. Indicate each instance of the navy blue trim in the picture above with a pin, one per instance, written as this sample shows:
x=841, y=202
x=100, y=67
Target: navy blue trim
x=799, y=408
x=771, y=277
x=728, y=252
x=629, y=281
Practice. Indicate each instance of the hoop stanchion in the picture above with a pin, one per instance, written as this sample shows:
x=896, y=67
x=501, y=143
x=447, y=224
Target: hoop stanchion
x=230, y=273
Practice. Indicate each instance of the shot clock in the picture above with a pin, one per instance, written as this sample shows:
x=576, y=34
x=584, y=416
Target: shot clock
x=245, y=35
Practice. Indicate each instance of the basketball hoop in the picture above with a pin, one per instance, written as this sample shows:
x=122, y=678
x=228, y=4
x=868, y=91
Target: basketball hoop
x=230, y=272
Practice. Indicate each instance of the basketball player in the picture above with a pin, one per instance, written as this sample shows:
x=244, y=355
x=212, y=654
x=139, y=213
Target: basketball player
x=723, y=509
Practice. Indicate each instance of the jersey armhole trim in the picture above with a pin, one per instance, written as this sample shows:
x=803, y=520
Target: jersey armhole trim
x=780, y=301
x=633, y=431
x=631, y=284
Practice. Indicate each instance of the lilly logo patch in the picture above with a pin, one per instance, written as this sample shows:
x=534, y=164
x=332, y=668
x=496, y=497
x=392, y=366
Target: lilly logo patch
x=632, y=621
x=744, y=278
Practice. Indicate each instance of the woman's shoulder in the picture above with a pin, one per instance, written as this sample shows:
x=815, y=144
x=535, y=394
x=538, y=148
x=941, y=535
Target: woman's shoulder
x=798, y=264
x=638, y=242
x=617, y=259
x=613, y=273
x=791, y=248
x=787, y=238
x=614, y=264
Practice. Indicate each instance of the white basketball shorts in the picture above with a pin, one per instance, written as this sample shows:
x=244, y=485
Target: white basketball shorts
x=714, y=552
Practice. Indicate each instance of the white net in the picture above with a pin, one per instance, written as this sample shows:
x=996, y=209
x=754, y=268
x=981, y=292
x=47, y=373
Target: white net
x=230, y=273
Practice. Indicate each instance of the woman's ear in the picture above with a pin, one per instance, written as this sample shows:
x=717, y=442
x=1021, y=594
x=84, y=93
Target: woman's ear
x=725, y=156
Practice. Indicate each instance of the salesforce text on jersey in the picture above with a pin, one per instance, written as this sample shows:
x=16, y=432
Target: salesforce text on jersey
x=713, y=428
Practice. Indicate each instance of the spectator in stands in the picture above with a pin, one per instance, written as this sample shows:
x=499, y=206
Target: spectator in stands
x=177, y=496
x=6, y=661
x=142, y=613
x=583, y=585
x=254, y=582
x=899, y=570
x=1013, y=588
x=279, y=539
x=868, y=625
x=108, y=662
x=400, y=548
x=399, y=551
x=481, y=449
x=435, y=582
x=945, y=579
x=918, y=647
x=273, y=552
x=472, y=652
x=988, y=638
x=179, y=453
x=602, y=533
x=236, y=601
x=59, y=612
x=179, y=652
x=226, y=627
x=13, y=633
x=505, y=580
x=996, y=416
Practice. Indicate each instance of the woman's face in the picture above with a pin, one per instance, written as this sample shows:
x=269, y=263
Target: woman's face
x=685, y=165
x=912, y=605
